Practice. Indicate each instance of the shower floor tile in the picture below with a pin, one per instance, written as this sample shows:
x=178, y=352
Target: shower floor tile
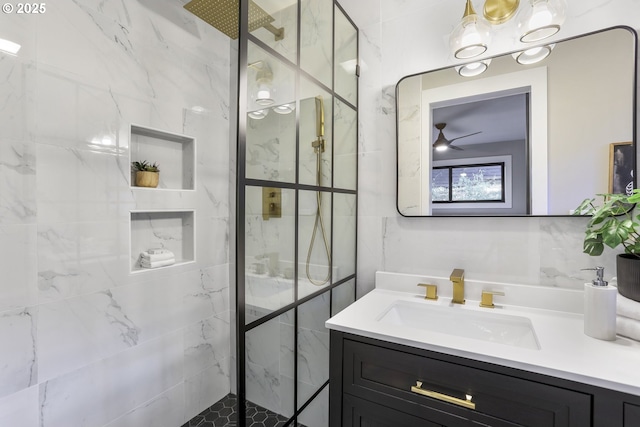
x=223, y=414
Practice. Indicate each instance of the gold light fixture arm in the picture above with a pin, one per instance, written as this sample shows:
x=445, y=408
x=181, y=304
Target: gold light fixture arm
x=500, y=11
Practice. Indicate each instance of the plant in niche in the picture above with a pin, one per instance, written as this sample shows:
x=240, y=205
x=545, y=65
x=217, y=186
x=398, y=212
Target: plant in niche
x=613, y=223
x=147, y=174
x=144, y=166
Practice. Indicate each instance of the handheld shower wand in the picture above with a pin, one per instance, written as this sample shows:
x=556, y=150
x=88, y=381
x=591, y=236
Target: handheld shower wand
x=318, y=144
x=318, y=148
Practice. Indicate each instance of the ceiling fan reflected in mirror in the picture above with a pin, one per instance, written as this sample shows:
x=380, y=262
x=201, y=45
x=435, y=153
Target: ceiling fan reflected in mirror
x=442, y=143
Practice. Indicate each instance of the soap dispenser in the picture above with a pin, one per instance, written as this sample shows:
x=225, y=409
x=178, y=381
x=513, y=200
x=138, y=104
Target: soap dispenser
x=600, y=307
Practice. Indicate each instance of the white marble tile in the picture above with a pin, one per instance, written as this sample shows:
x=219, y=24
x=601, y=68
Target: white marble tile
x=78, y=331
x=18, y=359
x=342, y=296
x=313, y=346
x=79, y=185
x=344, y=235
x=345, y=133
x=205, y=293
x=313, y=361
x=165, y=410
x=205, y=388
x=207, y=343
x=17, y=182
x=18, y=287
x=316, y=35
x=20, y=409
x=561, y=256
x=100, y=393
x=264, y=386
x=317, y=413
x=81, y=258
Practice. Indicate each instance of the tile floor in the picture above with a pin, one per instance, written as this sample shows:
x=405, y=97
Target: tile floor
x=223, y=414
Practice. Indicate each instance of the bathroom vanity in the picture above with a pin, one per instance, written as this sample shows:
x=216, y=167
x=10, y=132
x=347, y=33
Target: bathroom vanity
x=396, y=363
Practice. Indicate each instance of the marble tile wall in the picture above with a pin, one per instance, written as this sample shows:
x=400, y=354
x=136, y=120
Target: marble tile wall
x=402, y=37
x=84, y=341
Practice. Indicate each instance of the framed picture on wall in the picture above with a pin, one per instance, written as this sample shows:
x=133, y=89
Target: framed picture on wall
x=621, y=159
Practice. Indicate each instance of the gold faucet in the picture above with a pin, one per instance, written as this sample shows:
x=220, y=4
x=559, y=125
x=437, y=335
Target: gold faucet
x=457, y=277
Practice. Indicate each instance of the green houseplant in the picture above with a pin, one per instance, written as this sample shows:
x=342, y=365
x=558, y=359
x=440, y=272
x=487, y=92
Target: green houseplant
x=147, y=175
x=614, y=223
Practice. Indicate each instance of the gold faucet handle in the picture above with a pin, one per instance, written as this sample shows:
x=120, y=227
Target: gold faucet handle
x=486, y=300
x=431, y=291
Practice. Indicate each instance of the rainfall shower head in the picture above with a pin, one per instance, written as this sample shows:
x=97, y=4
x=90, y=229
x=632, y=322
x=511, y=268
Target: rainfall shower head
x=225, y=16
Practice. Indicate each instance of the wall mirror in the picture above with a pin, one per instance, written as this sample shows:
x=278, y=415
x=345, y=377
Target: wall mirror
x=520, y=140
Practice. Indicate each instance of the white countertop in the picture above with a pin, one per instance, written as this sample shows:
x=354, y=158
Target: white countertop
x=565, y=351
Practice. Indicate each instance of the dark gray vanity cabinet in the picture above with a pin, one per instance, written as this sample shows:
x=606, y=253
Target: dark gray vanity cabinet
x=374, y=383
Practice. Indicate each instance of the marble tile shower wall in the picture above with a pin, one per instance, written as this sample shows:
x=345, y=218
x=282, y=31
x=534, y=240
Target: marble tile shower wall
x=84, y=341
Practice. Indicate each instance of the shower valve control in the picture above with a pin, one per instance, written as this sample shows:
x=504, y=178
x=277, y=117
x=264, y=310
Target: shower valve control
x=271, y=203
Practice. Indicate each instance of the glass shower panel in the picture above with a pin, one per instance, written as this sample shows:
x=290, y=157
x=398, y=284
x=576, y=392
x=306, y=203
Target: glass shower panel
x=344, y=235
x=275, y=23
x=269, y=364
x=317, y=413
x=313, y=346
x=316, y=39
x=271, y=130
x=346, y=57
x=316, y=118
x=269, y=253
x=314, y=241
x=345, y=124
x=342, y=296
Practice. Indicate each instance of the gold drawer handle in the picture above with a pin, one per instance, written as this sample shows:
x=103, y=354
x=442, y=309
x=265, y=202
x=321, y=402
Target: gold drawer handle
x=445, y=398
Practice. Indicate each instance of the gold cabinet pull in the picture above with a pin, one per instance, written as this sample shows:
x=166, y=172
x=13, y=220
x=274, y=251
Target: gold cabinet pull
x=444, y=397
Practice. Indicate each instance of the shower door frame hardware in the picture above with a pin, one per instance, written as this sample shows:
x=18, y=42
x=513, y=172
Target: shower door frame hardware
x=271, y=203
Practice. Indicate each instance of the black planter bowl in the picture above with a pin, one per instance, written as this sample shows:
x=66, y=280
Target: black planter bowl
x=628, y=273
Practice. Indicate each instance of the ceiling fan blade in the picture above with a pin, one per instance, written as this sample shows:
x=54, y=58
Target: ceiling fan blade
x=464, y=136
x=455, y=147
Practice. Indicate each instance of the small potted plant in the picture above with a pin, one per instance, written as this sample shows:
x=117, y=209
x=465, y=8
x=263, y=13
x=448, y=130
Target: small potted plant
x=147, y=175
x=614, y=223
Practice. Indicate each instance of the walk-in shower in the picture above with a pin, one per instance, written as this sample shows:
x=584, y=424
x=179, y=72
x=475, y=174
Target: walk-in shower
x=319, y=223
x=296, y=197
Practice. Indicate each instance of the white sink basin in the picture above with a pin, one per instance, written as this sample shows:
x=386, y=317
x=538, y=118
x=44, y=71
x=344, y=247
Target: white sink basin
x=506, y=329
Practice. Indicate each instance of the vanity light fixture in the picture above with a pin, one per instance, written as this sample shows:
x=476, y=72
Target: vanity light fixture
x=264, y=78
x=258, y=114
x=500, y=11
x=285, y=108
x=541, y=19
x=471, y=36
x=474, y=68
x=533, y=55
x=9, y=47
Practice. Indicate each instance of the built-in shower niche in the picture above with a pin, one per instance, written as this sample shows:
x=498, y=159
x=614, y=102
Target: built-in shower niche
x=172, y=230
x=174, y=153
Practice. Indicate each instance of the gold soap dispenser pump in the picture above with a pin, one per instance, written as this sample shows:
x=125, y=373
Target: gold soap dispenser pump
x=600, y=307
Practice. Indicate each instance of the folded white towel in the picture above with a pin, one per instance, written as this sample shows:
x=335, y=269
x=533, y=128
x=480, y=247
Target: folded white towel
x=627, y=327
x=627, y=307
x=156, y=264
x=161, y=256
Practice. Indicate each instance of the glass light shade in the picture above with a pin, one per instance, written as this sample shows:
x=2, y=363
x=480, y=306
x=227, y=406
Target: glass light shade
x=540, y=20
x=259, y=114
x=470, y=38
x=533, y=55
x=474, y=68
x=263, y=96
x=284, y=108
